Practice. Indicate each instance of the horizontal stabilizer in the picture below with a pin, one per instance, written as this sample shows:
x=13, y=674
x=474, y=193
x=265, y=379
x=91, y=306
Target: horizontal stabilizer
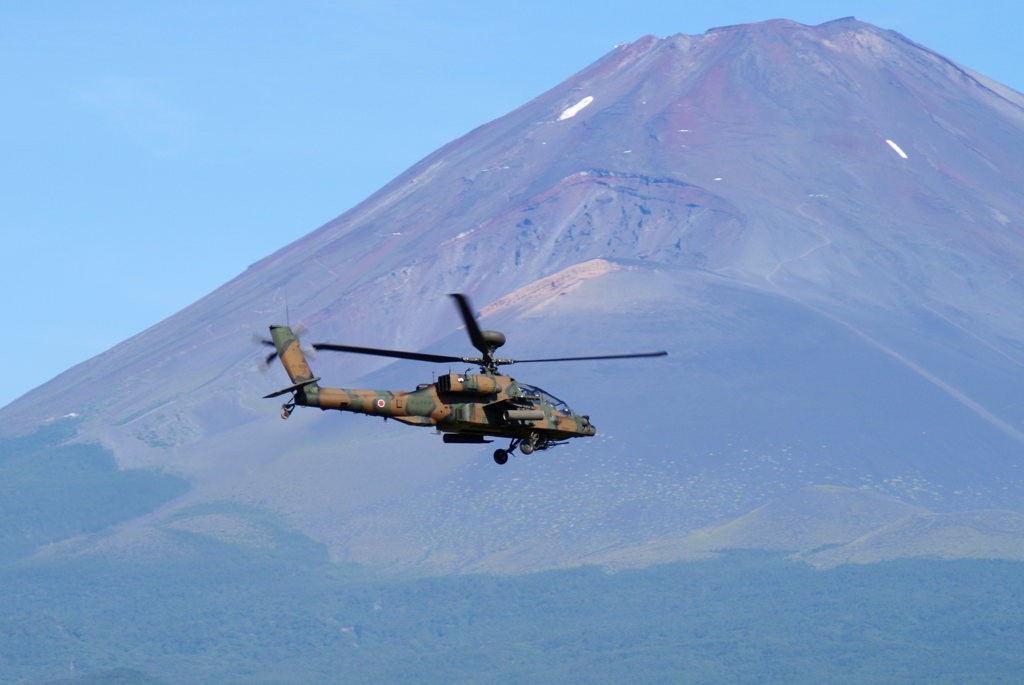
x=291, y=388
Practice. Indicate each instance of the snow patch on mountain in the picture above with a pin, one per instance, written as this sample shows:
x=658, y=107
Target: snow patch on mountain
x=575, y=109
x=897, y=148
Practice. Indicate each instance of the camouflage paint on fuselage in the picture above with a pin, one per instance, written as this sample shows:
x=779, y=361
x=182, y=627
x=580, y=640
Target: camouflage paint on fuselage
x=468, y=404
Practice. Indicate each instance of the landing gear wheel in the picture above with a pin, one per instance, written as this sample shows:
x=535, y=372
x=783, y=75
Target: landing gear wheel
x=286, y=409
x=500, y=457
x=528, y=445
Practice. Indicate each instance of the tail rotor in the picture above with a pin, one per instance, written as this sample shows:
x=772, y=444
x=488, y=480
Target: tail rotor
x=264, y=364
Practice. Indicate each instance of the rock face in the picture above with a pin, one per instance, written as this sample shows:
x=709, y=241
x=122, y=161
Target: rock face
x=823, y=225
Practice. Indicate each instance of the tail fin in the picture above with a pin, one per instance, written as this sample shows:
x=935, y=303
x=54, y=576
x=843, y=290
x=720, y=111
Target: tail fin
x=294, y=362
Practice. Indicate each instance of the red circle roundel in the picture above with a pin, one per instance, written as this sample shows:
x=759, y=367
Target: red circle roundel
x=380, y=403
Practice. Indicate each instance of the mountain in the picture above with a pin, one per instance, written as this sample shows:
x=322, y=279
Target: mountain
x=822, y=224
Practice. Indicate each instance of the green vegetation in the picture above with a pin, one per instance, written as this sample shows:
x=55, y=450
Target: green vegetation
x=277, y=613
x=51, y=491
x=245, y=617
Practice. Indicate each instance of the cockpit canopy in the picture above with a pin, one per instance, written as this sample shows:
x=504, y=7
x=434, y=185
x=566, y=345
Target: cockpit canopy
x=534, y=391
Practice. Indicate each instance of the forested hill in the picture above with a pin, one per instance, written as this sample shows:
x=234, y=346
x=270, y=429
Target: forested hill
x=741, y=618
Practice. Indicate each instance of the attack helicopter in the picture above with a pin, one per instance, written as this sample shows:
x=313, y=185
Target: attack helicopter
x=464, y=407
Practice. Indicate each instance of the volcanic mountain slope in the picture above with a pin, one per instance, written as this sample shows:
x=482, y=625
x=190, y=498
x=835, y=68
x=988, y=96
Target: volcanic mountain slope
x=823, y=225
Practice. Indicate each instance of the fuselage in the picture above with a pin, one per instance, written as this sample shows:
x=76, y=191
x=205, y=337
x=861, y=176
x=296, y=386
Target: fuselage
x=481, y=404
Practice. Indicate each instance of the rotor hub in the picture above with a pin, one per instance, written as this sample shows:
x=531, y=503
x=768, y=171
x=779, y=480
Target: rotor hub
x=494, y=339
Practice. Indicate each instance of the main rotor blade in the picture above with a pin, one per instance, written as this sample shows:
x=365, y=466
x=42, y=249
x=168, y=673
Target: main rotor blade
x=662, y=353
x=398, y=354
x=475, y=336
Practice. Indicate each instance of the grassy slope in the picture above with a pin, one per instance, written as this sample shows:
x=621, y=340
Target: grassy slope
x=51, y=491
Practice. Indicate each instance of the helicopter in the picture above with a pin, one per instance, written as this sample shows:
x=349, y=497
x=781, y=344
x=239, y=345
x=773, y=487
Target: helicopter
x=464, y=407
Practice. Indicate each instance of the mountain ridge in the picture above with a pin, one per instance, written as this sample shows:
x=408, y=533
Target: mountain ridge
x=822, y=224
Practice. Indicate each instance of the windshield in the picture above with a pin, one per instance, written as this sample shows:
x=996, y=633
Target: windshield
x=548, y=397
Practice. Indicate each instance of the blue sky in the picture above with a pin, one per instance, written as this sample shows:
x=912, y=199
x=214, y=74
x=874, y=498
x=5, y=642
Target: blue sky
x=152, y=151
